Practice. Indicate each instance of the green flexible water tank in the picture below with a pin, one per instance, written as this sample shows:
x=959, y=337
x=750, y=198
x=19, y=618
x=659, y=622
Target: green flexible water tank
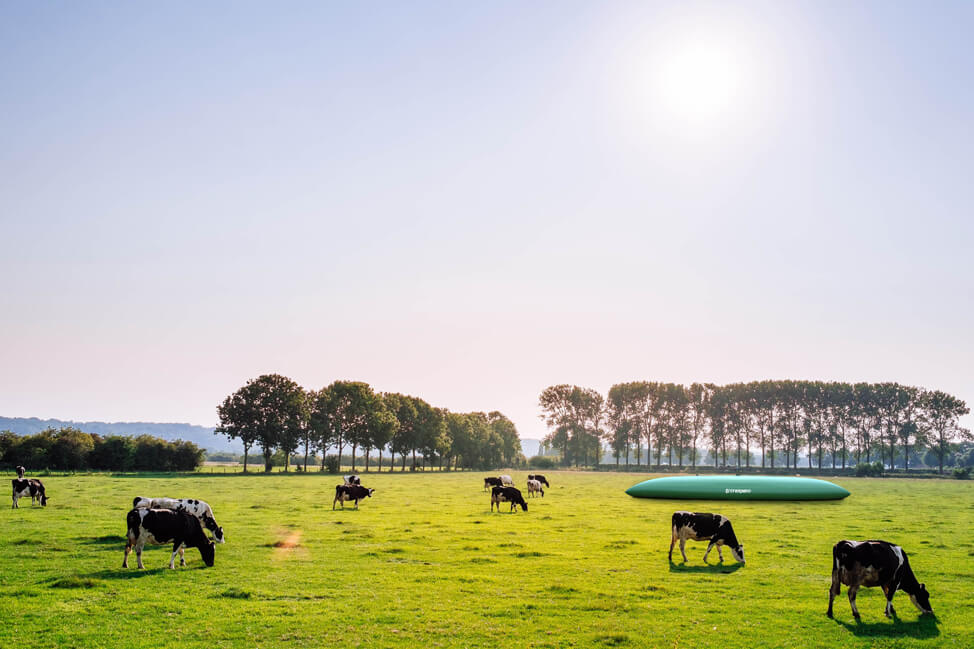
x=737, y=487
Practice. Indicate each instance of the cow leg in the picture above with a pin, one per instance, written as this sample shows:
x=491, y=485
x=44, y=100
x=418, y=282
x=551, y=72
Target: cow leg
x=672, y=543
x=834, y=590
x=683, y=544
x=125, y=560
x=889, y=591
x=15, y=505
x=852, y=600
x=710, y=546
x=182, y=555
x=138, y=555
x=720, y=555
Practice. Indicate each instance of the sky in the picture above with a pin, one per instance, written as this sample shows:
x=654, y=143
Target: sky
x=469, y=202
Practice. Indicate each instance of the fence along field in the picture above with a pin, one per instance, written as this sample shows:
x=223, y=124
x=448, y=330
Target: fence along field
x=424, y=563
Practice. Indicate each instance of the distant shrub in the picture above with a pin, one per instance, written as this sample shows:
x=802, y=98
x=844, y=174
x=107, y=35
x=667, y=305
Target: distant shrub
x=541, y=462
x=870, y=470
x=332, y=464
x=962, y=473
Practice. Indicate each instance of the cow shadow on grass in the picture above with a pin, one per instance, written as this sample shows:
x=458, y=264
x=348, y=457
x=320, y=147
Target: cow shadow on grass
x=711, y=568
x=926, y=626
x=134, y=573
x=109, y=539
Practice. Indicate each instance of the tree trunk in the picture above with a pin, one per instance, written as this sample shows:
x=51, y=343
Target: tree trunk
x=354, y=448
x=246, y=453
x=267, y=460
x=306, y=443
x=367, y=453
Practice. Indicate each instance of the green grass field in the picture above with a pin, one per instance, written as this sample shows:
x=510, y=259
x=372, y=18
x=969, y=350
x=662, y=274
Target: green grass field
x=424, y=563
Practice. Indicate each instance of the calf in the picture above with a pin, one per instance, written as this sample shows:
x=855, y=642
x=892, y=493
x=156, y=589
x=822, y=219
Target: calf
x=23, y=487
x=705, y=527
x=511, y=495
x=534, y=486
x=540, y=478
x=875, y=563
x=353, y=479
x=492, y=482
x=354, y=492
x=507, y=481
x=161, y=526
x=198, y=508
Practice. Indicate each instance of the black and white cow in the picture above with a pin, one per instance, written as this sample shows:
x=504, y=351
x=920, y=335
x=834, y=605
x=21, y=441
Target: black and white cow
x=875, y=563
x=23, y=487
x=511, y=495
x=705, y=527
x=354, y=492
x=534, y=486
x=162, y=526
x=198, y=508
x=492, y=482
x=540, y=478
x=353, y=479
x=20, y=472
x=507, y=480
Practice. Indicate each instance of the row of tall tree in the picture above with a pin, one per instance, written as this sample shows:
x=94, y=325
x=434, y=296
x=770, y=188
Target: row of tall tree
x=834, y=422
x=274, y=413
x=70, y=449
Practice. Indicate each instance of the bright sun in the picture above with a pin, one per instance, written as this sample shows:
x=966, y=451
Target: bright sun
x=699, y=82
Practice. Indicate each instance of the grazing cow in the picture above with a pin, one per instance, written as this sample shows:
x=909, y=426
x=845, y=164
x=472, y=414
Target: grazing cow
x=492, y=482
x=353, y=479
x=161, y=526
x=511, y=495
x=540, y=478
x=705, y=527
x=507, y=481
x=198, y=508
x=20, y=472
x=354, y=492
x=875, y=563
x=534, y=486
x=23, y=487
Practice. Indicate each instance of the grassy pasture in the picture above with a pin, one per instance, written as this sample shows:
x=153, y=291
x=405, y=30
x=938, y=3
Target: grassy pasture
x=424, y=563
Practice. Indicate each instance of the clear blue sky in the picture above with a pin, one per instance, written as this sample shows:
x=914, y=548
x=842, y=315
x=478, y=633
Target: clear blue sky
x=471, y=201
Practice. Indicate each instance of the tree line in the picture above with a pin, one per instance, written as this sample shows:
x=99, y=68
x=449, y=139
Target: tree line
x=275, y=414
x=70, y=449
x=827, y=422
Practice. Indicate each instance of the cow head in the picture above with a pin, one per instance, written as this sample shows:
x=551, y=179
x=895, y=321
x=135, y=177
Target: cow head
x=921, y=599
x=210, y=523
x=207, y=552
x=524, y=505
x=371, y=491
x=738, y=553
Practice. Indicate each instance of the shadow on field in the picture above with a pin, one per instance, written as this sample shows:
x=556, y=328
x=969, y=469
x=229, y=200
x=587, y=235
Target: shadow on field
x=128, y=573
x=926, y=626
x=110, y=539
x=718, y=568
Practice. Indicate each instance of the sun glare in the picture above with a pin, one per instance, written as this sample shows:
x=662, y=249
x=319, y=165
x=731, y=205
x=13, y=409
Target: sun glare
x=699, y=81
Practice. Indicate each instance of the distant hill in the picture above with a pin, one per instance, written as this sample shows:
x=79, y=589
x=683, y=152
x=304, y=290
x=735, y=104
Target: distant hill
x=202, y=436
